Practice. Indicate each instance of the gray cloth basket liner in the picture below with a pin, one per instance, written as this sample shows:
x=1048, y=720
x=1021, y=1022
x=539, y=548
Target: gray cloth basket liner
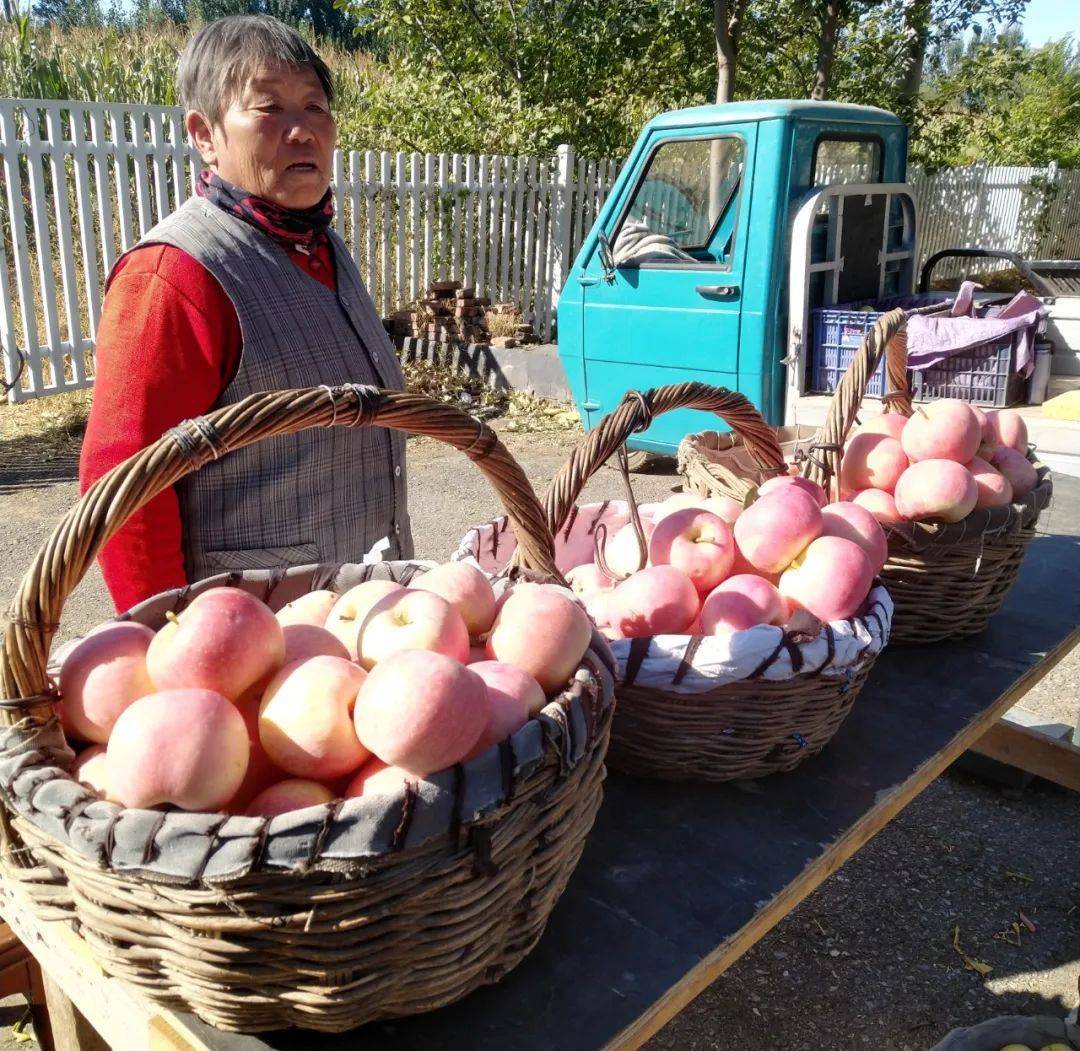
x=996, y=1033
x=172, y=846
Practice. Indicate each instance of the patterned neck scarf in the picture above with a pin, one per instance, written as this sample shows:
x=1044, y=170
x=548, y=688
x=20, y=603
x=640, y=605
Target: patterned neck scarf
x=301, y=229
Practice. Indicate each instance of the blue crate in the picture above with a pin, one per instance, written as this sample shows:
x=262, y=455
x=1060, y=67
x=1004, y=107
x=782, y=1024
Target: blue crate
x=837, y=335
x=985, y=375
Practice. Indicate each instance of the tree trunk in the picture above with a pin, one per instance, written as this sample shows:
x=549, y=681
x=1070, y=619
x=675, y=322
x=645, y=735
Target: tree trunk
x=830, y=27
x=917, y=30
x=727, y=15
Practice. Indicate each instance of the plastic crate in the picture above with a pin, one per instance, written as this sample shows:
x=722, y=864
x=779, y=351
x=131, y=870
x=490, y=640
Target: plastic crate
x=837, y=335
x=984, y=376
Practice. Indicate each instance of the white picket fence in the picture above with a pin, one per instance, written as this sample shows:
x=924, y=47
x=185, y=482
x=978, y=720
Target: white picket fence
x=81, y=182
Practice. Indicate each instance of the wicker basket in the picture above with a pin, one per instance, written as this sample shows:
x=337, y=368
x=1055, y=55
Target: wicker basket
x=328, y=917
x=709, y=709
x=946, y=580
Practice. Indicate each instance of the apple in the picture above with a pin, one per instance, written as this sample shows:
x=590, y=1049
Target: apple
x=305, y=718
x=101, y=676
x=226, y=641
x=421, y=710
x=186, y=747
x=697, y=542
x=348, y=614
x=466, y=589
x=412, y=620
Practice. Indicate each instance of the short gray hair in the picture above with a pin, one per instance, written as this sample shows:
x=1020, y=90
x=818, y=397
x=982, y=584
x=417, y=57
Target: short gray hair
x=221, y=57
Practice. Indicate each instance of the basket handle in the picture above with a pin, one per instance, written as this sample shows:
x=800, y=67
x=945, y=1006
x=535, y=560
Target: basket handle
x=635, y=413
x=34, y=613
x=888, y=332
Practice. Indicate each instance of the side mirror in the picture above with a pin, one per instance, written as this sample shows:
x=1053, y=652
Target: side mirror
x=607, y=257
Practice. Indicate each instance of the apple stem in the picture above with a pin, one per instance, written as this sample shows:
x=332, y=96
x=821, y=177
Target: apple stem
x=171, y=617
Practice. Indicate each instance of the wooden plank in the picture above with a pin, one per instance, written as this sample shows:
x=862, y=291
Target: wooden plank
x=527, y=246
x=69, y=279
x=87, y=1006
x=415, y=244
x=509, y=178
x=122, y=175
x=341, y=192
x=401, y=290
x=100, y=139
x=88, y=236
x=158, y=161
x=24, y=279
x=544, y=248
x=39, y=213
x=456, y=215
x=432, y=217
x=139, y=160
x=70, y=1029
x=480, y=282
x=468, y=275
x=370, y=228
x=385, y=263
x=1032, y=751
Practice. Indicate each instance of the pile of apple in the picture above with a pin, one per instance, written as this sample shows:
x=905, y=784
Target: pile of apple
x=714, y=568
x=230, y=706
x=940, y=464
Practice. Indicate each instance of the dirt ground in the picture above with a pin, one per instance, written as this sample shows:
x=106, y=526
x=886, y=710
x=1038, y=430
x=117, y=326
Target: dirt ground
x=867, y=960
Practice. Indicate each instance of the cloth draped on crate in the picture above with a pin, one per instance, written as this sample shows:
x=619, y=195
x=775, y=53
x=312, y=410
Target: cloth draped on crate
x=933, y=338
x=183, y=848
x=694, y=664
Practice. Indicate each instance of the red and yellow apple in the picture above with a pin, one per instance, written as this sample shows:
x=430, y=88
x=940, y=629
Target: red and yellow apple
x=776, y=527
x=936, y=489
x=830, y=580
x=348, y=614
x=942, y=430
x=421, y=710
x=101, y=676
x=466, y=589
x=412, y=620
x=187, y=747
x=226, y=641
x=293, y=793
x=697, y=542
x=542, y=632
x=306, y=718
x=741, y=602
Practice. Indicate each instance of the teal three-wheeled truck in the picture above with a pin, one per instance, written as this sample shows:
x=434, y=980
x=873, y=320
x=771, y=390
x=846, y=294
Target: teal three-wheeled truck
x=726, y=227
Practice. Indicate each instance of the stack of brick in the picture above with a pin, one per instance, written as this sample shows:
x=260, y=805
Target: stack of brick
x=449, y=313
x=508, y=327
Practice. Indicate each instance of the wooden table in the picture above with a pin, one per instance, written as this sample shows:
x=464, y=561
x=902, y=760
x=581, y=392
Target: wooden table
x=677, y=882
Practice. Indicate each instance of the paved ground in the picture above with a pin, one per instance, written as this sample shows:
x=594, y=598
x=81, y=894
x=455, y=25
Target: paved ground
x=867, y=961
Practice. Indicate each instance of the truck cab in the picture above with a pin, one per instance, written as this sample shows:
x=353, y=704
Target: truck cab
x=723, y=230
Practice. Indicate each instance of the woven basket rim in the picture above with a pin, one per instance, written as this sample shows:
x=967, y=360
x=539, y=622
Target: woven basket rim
x=36, y=783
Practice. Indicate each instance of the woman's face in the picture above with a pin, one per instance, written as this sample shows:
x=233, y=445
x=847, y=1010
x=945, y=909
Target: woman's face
x=276, y=138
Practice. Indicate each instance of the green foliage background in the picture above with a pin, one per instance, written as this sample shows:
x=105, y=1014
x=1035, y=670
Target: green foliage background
x=521, y=76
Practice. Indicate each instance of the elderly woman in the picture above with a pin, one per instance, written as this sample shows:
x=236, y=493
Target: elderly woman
x=246, y=288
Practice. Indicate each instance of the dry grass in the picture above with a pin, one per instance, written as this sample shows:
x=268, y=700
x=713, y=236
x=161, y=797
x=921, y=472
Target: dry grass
x=54, y=424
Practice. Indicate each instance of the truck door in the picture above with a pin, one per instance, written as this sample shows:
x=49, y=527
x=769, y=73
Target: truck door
x=671, y=309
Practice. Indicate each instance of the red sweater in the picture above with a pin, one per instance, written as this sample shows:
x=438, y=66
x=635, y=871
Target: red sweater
x=168, y=345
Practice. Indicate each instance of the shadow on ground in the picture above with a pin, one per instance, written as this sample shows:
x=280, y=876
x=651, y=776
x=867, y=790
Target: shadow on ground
x=24, y=464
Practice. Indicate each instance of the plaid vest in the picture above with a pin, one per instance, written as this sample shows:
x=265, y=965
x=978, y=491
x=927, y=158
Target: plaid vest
x=324, y=495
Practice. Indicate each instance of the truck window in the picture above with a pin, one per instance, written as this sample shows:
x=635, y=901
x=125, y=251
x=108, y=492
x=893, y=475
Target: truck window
x=840, y=160
x=684, y=206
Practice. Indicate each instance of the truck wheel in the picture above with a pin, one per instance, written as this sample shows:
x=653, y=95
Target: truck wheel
x=639, y=460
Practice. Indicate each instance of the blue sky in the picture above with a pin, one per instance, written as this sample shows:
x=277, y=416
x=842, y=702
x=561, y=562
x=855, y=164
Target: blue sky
x=1050, y=20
